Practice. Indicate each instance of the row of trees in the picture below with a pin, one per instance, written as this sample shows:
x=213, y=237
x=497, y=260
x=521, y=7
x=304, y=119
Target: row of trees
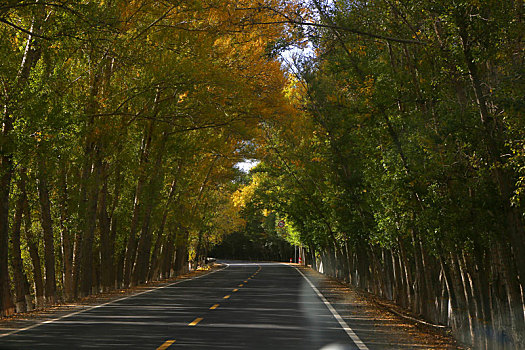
x=121, y=125
x=404, y=173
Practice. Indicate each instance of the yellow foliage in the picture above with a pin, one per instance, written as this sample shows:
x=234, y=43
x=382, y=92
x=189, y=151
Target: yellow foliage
x=245, y=193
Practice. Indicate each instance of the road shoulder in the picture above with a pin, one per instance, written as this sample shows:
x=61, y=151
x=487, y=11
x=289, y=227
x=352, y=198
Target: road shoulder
x=375, y=322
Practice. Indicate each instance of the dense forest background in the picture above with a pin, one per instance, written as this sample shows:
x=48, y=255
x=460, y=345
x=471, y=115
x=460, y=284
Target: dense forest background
x=390, y=135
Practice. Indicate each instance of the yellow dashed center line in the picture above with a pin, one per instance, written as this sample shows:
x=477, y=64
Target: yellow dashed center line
x=166, y=344
x=195, y=321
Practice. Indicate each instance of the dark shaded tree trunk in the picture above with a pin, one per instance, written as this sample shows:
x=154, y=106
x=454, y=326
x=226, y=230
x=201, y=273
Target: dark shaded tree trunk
x=65, y=234
x=106, y=244
x=47, y=227
x=119, y=273
x=23, y=297
x=154, y=187
x=6, y=169
x=198, y=256
x=131, y=247
x=167, y=255
x=32, y=243
x=160, y=242
x=81, y=212
x=156, y=255
x=181, y=254
x=113, y=225
x=87, y=258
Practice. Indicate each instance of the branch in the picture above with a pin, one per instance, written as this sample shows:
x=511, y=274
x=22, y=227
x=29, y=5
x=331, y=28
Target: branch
x=209, y=126
x=164, y=15
x=62, y=5
x=23, y=29
x=290, y=20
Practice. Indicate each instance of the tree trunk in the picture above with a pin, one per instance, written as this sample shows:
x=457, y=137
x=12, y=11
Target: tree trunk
x=131, y=247
x=113, y=224
x=95, y=271
x=156, y=255
x=181, y=254
x=65, y=234
x=155, y=263
x=471, y=304
x=47, y=227
x=32, y=244
x=144, y=245
x=514, y=299
x=106, y=244
x=168, y=250
x=6, y=170
x=21, y=284
x=116, y=270
x=462, y=322
x=389, y=273
x=81, y=212
x=404, y=264
x=86, y=270
x=480, y=296
x=119, y=273
x=198, y=249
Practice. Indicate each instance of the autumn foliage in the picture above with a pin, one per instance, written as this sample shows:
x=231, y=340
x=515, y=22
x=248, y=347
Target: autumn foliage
x=122, y=123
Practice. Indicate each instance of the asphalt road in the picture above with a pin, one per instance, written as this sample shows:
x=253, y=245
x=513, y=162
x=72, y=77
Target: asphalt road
x=243, y=306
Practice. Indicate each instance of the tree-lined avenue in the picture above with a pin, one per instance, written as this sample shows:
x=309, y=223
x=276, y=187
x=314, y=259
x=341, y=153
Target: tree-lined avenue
x=388, y=138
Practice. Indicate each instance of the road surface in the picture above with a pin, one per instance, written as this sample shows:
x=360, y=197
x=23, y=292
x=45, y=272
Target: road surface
x=241, y=306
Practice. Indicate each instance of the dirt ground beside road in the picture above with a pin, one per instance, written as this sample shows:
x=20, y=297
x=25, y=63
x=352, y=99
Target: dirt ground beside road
x=372, y=320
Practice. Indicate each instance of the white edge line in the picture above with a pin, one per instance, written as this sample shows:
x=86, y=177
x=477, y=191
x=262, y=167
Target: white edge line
x=106, y=303
x=334, y=312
